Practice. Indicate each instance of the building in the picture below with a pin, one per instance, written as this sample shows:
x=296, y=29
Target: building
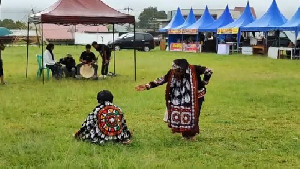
x=216, y=13
x=61, y=34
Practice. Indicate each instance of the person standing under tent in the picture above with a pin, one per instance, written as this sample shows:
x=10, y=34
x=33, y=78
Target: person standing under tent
x=105, y=53
x=2, y=47
x=185, y=92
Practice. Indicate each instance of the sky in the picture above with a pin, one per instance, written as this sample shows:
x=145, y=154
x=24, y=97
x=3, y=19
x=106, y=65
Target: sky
x=18, y=9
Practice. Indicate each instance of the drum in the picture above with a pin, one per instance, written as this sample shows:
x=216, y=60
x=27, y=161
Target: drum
x=87, y=71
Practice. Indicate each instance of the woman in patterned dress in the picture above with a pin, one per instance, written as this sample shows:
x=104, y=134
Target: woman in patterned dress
x=184, y=96
x=105, y=123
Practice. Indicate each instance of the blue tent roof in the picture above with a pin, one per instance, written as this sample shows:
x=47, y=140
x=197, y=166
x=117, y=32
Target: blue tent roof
x=4, y=31
x=205, y=20
x=269, y=21
x=177, y=20
x=293, y=24
x=223, y=20
x=189, y=20
x=245, y=19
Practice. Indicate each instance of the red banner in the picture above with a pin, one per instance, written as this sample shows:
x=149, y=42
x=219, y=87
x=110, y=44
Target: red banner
x=176, y=47
x=192, y=47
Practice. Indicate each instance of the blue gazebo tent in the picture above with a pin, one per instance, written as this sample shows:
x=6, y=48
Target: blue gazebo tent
x=272, y=19
x=223, y=20
x=191, y=19
x=176, y=33
x=177, y=20
x=205, y=20
x=293, y=24
x=234, y=27
x=245, y=19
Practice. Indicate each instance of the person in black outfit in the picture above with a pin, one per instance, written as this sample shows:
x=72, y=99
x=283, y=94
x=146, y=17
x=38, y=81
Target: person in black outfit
x=70, y=65
x=105, y=53
x=88, y=57
x=1, y=65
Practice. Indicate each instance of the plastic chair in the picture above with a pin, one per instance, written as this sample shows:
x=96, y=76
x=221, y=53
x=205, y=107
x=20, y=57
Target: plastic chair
x=40, y=67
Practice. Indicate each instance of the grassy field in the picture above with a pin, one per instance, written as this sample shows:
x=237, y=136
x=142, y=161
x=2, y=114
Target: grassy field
x=250, y=118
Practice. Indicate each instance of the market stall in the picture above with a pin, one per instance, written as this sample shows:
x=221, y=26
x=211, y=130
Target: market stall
x=193, y=30
x=234, y=29
x=270, y=21
x=188, y=43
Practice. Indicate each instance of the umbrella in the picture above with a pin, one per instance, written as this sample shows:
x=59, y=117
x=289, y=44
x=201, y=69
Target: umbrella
x=4, y=31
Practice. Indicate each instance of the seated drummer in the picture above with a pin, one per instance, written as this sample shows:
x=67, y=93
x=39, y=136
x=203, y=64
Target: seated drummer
x=88, y=57
x=69, y=68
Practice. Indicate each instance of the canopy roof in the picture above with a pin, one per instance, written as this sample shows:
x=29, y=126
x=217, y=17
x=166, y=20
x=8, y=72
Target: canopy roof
x=189, y=20
x=269, y=21
x=81, y=12
x=205, y=20
x=245, y=19
x=4, y=31
x=176, y=21
x=293, y=24
x=223, y=20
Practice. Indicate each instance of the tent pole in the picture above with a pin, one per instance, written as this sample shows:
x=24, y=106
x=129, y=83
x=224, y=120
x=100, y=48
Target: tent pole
x=169, y=42
x=197, y=41
x=134, y=47
x=27, y=48
x=114, y=49
x=182, y=42
x=217, y=43
x=238, y=40
x=295, y=44
x=279, y=39
x=43, y=54
x=266, y=40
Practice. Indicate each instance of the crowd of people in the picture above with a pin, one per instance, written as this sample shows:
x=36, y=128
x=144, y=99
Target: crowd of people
x=67, y=65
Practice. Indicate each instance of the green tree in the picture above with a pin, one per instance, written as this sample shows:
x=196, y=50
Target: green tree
x=148, y=17
x=10, y=24
x=20, y=25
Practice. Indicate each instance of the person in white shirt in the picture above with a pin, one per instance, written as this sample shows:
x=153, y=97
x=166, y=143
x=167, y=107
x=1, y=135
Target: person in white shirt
x=49, y=62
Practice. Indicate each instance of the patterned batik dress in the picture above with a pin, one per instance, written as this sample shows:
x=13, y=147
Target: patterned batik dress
x=182, y=102
x=184, y=97
x=105, y=123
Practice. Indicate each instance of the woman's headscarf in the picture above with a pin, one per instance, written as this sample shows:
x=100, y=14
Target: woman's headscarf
x=180, y=64
x=49, y=48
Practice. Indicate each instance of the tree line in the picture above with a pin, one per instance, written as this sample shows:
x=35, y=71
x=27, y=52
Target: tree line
x=10, y=24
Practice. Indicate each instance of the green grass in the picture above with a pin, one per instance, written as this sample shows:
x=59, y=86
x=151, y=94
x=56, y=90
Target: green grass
x=250, y=118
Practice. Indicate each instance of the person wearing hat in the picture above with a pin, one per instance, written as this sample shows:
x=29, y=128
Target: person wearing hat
x=105, y=123
x=69, y=65
x=185, y=92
